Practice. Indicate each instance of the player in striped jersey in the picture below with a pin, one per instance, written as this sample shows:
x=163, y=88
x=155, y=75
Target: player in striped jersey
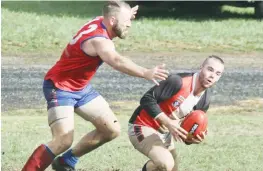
x=163, y=107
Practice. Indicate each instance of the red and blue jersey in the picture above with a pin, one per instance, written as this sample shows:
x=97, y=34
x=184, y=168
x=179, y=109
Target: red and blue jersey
x=75, y=68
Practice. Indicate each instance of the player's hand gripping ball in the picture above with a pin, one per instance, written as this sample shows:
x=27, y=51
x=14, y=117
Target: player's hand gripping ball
x=195, y=123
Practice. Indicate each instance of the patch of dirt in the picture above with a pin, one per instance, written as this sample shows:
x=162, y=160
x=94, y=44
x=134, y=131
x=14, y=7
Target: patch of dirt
x=173, y=60
x=22, y=78
x=190, y=60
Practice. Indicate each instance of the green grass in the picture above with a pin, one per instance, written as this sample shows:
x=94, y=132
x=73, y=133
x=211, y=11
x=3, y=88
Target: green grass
x=46, y=27
x=233, y=143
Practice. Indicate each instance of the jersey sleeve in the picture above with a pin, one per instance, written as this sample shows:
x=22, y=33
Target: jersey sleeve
x=157, y=94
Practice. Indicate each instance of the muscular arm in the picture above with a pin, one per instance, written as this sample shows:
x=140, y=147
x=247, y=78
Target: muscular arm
x=105, y=49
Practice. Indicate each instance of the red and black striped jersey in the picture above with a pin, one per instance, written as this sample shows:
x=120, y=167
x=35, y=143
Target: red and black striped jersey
x=173, y=96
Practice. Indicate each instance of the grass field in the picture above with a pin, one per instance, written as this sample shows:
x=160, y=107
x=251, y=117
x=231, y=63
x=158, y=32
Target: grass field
x=234, y=142
x=35, y=33
x=44, y=27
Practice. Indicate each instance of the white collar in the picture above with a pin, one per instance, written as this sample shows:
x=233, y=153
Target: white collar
x=194, y=84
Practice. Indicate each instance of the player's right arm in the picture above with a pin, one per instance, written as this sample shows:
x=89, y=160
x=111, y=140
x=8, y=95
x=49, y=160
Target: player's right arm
x=155, y=95
x=173, y=126
x=106, y=50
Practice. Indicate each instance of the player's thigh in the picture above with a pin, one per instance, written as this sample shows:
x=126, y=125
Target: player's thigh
x=144, y=138
x=61, y=121
x=98, y=112
x=148, y=141
x=60, y=104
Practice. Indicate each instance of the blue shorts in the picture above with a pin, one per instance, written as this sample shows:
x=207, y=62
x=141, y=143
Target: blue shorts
x=57, y=97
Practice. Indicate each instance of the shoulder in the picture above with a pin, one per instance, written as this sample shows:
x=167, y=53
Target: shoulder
x=174, y=80
x=102, y=42
x=178, y=77
x=185, y=74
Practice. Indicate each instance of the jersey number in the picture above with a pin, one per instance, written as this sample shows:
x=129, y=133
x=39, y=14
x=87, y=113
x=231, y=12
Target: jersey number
x=91, y=28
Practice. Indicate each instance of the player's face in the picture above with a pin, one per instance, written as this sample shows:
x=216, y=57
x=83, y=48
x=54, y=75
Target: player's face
x=210, y=72
x=123, y=23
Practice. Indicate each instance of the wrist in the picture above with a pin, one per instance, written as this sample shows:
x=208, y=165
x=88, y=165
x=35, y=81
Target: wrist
x=144, y=73
x=168, y=124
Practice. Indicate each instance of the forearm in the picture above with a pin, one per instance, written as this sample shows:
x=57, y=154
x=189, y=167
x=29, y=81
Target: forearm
x=164, y=119
x=127, y=66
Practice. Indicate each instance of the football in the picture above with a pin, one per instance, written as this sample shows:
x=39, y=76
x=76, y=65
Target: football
x=195, y=123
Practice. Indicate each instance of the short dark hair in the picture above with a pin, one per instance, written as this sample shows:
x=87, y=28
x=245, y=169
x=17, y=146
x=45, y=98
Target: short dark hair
x=111, y=8
x=214, y=57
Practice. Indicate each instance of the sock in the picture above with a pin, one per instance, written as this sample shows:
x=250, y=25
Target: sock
x=70, y=159
x=41, y=158
x=144, y=167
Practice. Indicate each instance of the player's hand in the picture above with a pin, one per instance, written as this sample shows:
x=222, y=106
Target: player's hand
x=155, y=73
x=177, y=131
x=163, y=129
x=134, y=11
x=196, y=140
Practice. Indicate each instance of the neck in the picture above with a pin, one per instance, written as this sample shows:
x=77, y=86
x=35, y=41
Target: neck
x=108, y=28
x=198, y=87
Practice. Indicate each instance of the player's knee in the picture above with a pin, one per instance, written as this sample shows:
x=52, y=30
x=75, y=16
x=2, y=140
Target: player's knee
x=64, y=141
x=113, y=132
x=165, y=165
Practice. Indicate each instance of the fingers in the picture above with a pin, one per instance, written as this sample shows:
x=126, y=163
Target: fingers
x=162, y=71
x=161, y=66
x=156, y=73
x=196, y=141
x=203, y=135
x=199, y=138
x=178, y=139
x=162, y=74
x=182, y=130
x=181, y=134
x=157, y=76
x=155, y=82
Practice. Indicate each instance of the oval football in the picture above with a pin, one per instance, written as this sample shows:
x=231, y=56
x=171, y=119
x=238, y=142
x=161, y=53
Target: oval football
x=195, y=123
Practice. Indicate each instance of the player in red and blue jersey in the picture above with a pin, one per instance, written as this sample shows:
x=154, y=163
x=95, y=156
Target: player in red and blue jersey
x=157, y=119
x=67, y=89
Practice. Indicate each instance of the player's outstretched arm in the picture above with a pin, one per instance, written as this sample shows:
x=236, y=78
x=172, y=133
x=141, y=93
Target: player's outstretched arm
x=106, y=50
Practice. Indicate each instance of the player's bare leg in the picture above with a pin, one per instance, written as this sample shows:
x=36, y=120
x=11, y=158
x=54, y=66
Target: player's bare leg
x=62, y=124
x=98, y=112
x=161, y=159
x=107, y=126
x=62, y=128
x=174, y=154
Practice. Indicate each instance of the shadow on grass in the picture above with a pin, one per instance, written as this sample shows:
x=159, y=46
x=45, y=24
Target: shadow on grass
x=196, y=11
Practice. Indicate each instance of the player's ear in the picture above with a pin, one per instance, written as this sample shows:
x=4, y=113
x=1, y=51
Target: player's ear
x=113, y=20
